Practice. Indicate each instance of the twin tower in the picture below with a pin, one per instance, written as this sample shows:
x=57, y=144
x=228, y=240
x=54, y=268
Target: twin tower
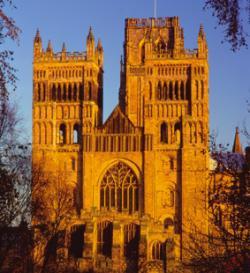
x=139, y=179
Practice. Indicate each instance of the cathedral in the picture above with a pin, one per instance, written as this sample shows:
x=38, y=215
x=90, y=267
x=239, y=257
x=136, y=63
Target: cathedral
x=139, y=178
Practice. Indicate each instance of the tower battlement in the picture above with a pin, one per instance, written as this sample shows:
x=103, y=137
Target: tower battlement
x=152, y=22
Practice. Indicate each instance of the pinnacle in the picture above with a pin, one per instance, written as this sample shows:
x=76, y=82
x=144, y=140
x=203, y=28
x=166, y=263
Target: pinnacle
x=237, y=145
x=49, y=47
x=38, y=37
x=64, y=47
x=90, y=35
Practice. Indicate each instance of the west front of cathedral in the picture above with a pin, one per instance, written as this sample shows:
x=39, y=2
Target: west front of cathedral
x=139, y=179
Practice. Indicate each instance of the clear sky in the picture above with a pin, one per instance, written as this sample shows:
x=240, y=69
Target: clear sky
x=69, y=21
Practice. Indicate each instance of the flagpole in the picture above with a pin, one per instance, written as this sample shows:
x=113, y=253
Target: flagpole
x=155, y=8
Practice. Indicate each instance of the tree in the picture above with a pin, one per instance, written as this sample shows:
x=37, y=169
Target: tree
x=230, y=15
x=52, y=209
x=226, y=247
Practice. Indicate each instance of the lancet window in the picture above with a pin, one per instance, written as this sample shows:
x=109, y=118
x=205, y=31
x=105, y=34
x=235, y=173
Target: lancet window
x=76, y=134
x=119, y=189
x=62, y=134
x=159, y=251
x=131, y=241
x=164, y=132
x=105, y=238
x=77, y=241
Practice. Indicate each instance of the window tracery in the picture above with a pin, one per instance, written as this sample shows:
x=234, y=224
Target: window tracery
x=119, y=189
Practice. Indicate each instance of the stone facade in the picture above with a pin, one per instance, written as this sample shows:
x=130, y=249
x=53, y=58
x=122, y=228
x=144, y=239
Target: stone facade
x=140, y=177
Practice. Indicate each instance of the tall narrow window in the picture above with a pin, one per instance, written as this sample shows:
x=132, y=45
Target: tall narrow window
x=131, y=241
x=159, y=90
x=171, y=91
x=62, y=134
x=90, y=91
x=77, y=241
x=73, y=164
x=53, y=91
x=143, y=53
x=197, y=89
x=150, y=90
x=75, y=92
x=165, y=91
x=38, y=92
x=164, y=132
x=159, y=251
x=76, y=136
x=176, y=91
x=202, y=89
x=182, y=91
x=105, y=238
x=177, y=132
x=70, y=92
x=59, y=91
x=64, y=92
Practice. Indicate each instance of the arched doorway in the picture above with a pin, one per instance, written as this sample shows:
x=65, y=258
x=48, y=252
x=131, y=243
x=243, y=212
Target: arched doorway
x=131, y=246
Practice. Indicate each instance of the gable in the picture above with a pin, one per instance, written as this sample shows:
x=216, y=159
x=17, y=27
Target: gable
x=118, y=123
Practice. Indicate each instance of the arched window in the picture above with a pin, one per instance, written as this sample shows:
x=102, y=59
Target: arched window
x=62, y=134
x=171, y=163
x=44, y=91
x=77, y=241
x=38, y=92
x=168, y=222
x=64, y=92
x=171, y=91
x=81, y=91
x=76, y=134
x=164, y=132
x=70, y=92
x=105, y=238
x=197, y=89
x=188, y=89
x=119, y=189
x=59, y=96
x=159, y=90
x=161, y=46
x=143, y=53
x=182, y=91
x=177, y=132
x=75, y=92
x=131, y=241
x=150, y=90
x=53, y=91
x=202, y=89
x=159, y=251
x=176, y=90
x=165, y=91
x=89, y=91
x=73, y=164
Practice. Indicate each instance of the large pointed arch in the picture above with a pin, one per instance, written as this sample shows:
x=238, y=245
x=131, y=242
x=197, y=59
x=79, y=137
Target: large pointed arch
x=119, y=188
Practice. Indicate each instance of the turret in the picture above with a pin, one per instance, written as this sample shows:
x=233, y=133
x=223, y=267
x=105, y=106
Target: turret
x=237, y=148
x=37, y=44
x=99, y=52
x=202, y=43
x=49, y=50
x=63, y=51
x=90, y=45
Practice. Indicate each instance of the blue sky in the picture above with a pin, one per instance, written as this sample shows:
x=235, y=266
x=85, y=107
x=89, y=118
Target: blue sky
x=69, y=21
